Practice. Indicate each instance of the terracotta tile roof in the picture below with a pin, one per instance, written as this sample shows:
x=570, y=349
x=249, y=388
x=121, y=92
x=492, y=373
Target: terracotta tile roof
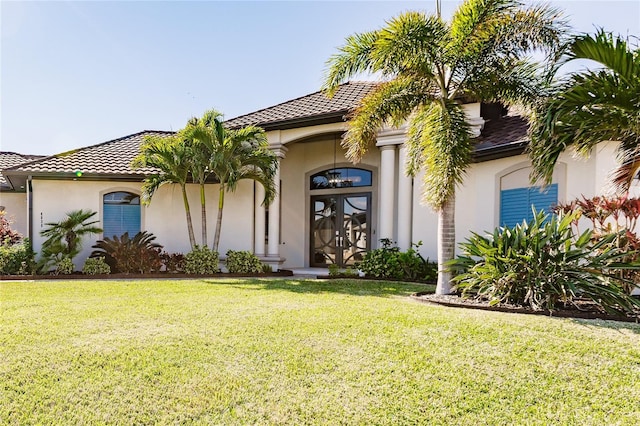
x=108, y=158
x=12, y=159
x=501, y=137
x=306, y=109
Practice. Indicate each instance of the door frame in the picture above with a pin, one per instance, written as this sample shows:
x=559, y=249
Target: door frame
x=308, y=193
x=339, y=224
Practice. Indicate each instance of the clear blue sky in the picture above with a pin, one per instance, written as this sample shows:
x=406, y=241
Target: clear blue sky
x=74, y=74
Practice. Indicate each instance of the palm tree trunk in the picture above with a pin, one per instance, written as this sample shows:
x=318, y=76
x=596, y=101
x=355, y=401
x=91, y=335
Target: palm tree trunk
x=216, y=238
x=187, y=211
x=446, y=243
x=203, y=206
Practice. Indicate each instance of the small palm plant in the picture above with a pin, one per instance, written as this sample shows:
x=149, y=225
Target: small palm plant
x=64, y=238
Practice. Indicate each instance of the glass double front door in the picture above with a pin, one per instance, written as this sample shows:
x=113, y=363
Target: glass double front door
x=340, y=228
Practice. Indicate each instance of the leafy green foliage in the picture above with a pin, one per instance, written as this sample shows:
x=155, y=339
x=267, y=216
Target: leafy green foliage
x=243, y=262
x=266, y=268
x=173, y=262
x=591, y=106
x=64, y=238
x=96, y=266
x=64, y=267
x=17, y=259
x=390, y=263
x=334, y=270
x=201, y=261
x=130, y=255
x=543, y=265
x=8, y=236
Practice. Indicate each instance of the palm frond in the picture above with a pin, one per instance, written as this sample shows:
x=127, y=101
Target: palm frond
x=612, y=52
x=390, y=103
x=439, y=143
x=354, y=57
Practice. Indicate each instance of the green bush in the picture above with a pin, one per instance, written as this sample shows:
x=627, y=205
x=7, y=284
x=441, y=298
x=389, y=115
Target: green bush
x=130, y=255
x=17, y=259
x=243, y=262
x=201, y=260
x=64, y=266
x=266, y=268
x=389, y=262
x=334, y=270
x=543, y=265
x=96, y=266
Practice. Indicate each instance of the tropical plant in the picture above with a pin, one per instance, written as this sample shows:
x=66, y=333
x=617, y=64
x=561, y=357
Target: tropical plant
x=543, y=265
x=8, y=235
x=243, y=262
x=96, y=266
x=592, y=106
x=64, y=238
x=618, y=215
x=201, y=261
x=203, y=136
x=173, y=262
x=130, y=255
x=234, y=155
x=428, y=66
x=171, y=157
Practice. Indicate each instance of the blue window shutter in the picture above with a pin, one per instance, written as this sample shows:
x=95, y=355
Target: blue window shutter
x=120, y=218
x=516, y=204
x=543, y=199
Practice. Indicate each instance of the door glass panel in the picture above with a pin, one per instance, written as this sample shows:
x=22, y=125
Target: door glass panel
x=354, y=234
x=324, y=230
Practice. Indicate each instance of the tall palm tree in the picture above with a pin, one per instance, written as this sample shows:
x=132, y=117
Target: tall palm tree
x=241, y=154
x=65, y=237
x=203, y=136
x=170, y=155
x=592, y=106
x=427, y=65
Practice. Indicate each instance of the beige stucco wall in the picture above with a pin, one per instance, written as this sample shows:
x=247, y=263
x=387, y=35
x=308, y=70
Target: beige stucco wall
x=164, y=217
x=15, y=204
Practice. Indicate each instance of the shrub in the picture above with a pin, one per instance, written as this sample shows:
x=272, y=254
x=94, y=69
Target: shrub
x=17, y=259
x=266, y=268
x=96, y=266
x=173, y=262
x=243, y=262
x=390, y=263
x=201, y=260
x=334, y=270
x=130, y=255
x=64, y=267
x=542, y=265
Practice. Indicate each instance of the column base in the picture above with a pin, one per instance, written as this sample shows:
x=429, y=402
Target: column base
x=274, y=261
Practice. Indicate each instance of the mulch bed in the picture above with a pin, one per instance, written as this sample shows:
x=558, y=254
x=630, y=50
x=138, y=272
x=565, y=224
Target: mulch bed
x=583, y=310
x=159, y=275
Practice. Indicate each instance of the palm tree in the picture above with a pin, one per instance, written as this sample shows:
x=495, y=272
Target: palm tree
x=589, y=107
x=241, y=154
x=64, y=238
x=202, y=136
x=427, y=65
x=171, y=156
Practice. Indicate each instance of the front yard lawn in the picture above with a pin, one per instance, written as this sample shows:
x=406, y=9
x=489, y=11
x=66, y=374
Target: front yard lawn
x=300, y=352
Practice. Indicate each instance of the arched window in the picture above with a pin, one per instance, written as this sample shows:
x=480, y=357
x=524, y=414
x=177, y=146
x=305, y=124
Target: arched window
x=120, y=214
x=343, y=177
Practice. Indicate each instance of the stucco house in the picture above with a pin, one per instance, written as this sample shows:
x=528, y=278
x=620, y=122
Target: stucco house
x=327, y=209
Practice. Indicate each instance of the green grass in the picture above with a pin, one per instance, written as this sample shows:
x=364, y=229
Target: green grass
x=300, y=352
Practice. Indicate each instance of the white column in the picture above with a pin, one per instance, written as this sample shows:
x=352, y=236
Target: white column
x=405, y=202
x=387, y=191
x=259, y=221
x=273, y=249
